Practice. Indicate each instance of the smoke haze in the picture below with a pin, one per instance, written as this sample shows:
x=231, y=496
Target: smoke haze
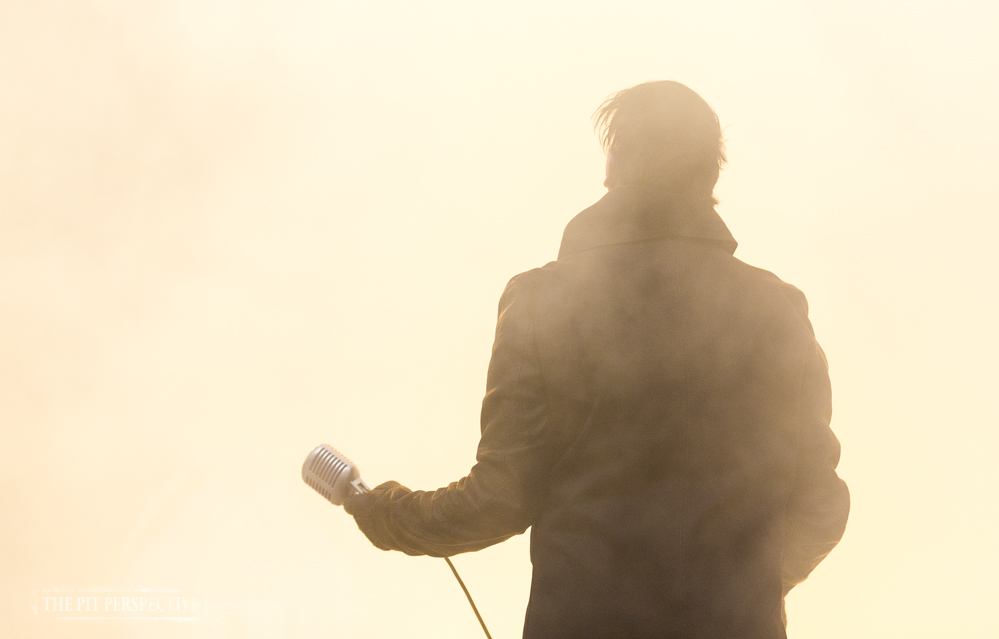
x=230, y=231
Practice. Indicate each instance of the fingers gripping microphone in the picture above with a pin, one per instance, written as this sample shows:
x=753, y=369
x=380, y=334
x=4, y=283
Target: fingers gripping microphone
x=335, y=477
x=332, y=475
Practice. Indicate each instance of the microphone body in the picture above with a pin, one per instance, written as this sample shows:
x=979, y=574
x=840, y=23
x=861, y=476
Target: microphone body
x=332, y=475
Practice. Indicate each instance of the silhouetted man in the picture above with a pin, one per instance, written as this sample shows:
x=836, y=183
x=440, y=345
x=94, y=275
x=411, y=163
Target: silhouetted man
x=657, y=411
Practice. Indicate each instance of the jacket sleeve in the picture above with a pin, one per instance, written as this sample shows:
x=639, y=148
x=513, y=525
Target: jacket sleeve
x=820, y=502
x=497, y=499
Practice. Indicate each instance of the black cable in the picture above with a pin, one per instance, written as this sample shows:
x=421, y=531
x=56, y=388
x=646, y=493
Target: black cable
x=474, y=609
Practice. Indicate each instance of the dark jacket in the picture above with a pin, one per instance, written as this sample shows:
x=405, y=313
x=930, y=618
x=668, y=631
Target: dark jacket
x=657, y=412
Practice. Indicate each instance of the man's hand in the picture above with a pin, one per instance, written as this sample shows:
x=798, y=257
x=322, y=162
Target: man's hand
x=361, y=505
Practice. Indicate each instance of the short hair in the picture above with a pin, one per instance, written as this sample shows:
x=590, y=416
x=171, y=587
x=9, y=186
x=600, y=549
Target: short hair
x=662, y=134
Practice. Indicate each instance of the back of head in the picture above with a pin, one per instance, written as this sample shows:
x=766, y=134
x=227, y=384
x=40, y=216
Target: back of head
x=662, y=134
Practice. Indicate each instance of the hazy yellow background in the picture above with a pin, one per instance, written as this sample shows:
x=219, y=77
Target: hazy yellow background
x=230, y=231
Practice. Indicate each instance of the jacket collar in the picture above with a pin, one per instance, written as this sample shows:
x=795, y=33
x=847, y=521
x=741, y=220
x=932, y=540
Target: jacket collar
x=635, y=214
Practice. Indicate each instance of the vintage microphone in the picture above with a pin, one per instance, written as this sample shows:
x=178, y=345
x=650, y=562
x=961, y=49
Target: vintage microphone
x=335, y=477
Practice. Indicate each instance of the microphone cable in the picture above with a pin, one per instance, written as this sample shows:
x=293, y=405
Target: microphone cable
x=467, y=594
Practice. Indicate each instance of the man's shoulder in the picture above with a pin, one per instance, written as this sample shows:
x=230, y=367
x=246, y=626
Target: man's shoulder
x=791, y=294
x=526, y=284
x=541, y=280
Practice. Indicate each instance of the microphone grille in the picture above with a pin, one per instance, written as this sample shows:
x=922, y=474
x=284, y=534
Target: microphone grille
x=330, y=474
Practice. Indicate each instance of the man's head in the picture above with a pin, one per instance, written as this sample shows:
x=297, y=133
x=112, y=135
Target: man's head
x=661, y=134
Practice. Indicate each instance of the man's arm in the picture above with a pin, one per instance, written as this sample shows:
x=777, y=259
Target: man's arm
x=820, y=501
x=497, y=498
